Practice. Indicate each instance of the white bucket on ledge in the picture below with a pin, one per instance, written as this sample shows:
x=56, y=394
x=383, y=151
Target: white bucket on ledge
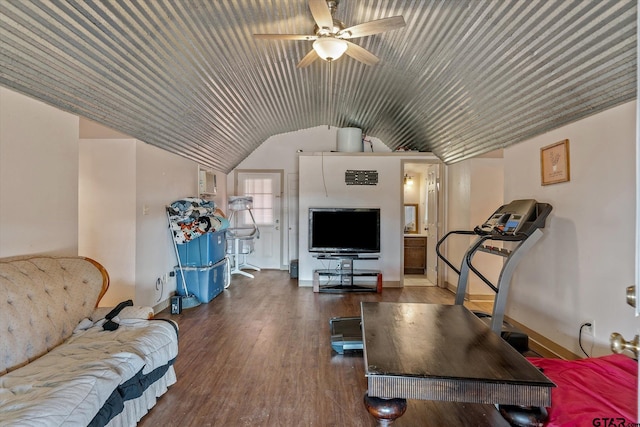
x=350, y=140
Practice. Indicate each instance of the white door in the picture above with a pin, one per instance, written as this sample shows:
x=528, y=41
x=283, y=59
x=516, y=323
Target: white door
x=637, y=224
x=292, y=215
x=432, y=223
x=266, y=190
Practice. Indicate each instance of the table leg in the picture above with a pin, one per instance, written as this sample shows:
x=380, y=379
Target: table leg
x=385, y=410
x=525, y=416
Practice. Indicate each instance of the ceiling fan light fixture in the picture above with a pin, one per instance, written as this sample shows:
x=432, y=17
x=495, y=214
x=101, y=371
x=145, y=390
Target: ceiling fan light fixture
x=330, y=48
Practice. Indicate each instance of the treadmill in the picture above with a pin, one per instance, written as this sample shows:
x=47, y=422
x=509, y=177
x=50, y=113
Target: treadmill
x=518, y=222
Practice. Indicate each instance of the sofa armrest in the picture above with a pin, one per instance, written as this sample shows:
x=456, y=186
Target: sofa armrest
x=135, y=312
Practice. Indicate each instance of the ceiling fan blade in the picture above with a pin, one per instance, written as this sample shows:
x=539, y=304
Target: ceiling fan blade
x=285, y=36
x=321, y=13
x=361, y=54
x=372, y=27
x=308, y=59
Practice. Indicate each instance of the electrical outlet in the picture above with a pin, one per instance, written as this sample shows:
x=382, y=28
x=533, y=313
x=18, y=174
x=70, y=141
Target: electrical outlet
x=589, y=328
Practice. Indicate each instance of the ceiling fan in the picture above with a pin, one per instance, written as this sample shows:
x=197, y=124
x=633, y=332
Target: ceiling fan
x=330, y=38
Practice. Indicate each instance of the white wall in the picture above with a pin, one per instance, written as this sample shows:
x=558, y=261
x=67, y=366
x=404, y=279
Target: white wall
x=61, y=195
x=161, y=178
x=107, y=204
x=93, y=130
x=322, y=184
x=281, y=152
x=38, y=178
x=579, y=270
x=414, y=193
x=125, y=185
x=287, y=151
x=474, y=192
x=487, y=185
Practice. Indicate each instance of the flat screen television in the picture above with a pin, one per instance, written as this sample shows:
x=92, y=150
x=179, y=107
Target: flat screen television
x=344, y=230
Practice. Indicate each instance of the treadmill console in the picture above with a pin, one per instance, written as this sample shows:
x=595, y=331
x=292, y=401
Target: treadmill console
x=508, y=219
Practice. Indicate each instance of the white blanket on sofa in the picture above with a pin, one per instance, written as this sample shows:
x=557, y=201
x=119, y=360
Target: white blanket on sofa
x=69, y=385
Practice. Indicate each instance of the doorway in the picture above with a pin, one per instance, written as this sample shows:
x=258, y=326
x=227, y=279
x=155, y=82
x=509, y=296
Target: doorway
x=265, y=186
x=422, y=194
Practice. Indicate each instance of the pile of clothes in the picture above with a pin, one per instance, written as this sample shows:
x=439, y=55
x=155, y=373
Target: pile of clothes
x=191, y=217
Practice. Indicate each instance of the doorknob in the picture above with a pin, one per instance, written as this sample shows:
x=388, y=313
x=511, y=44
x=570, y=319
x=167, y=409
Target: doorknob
x=619, y=344
x=631, y=295
x=617, y=341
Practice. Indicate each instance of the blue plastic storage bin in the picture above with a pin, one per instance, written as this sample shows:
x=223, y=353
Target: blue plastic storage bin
x=207, y=249
x=205, y=282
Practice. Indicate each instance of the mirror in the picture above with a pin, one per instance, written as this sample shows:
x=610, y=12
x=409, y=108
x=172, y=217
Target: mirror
x=410, y=218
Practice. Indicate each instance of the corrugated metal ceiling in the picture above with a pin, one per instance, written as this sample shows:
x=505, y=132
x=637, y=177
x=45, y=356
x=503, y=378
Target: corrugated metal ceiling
x=462, y=78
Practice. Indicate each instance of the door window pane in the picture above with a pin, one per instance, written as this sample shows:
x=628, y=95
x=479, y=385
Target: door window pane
x=262, y=191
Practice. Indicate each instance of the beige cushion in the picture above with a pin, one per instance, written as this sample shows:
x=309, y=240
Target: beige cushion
x=42, y=300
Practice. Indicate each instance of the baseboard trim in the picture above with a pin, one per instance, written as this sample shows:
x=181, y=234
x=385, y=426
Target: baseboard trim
x=385, y=283
x=542, y=345
x=391, y=284
x=468, y=296
x=479, y=297
x=161, y=306
x=537, y=342
x=451, y=288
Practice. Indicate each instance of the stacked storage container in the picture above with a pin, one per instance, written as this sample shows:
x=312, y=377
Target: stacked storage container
x=204, y=266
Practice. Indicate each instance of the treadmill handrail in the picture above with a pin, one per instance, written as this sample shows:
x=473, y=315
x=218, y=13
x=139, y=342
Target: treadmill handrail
x=441, y=241
x=470, y=254
x=538, y=220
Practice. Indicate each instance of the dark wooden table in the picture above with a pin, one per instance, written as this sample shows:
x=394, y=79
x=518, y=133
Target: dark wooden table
x=441, y=353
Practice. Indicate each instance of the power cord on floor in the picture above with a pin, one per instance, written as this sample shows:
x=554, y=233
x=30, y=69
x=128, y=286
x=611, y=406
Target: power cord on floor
x=584, y=325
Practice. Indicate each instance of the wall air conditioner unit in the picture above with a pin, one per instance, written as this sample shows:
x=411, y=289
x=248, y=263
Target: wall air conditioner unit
x=207, y=185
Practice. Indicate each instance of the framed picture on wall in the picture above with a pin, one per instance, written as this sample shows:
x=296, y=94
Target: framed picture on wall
x=554, y=163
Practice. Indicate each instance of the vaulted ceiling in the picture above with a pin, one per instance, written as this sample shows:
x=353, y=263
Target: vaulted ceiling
x=460, y=79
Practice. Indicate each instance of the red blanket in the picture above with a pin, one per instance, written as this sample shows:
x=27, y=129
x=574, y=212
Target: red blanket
x=600, y=391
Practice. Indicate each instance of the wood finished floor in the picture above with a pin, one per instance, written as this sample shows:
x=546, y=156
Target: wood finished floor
x=259, y=354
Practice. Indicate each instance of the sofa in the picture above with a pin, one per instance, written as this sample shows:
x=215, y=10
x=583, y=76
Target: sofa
x=65, y=362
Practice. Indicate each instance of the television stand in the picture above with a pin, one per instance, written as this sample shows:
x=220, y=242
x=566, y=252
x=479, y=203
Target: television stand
x=342, y=278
